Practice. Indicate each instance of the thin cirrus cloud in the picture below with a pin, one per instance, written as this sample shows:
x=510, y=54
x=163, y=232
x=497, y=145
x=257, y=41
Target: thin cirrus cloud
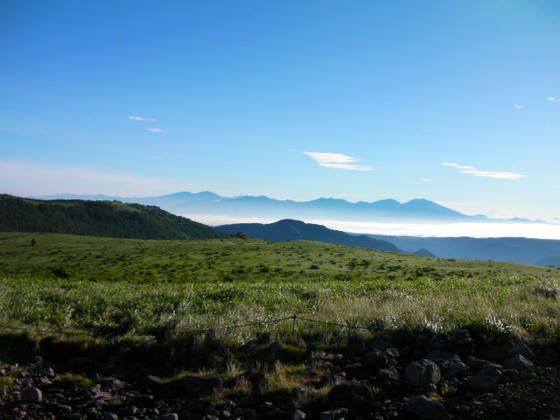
x=138, y=118
x=518, y=106
x=553, y=99
x=337, y=161
x=471, y=170
x=426, y=179
x=156, y=130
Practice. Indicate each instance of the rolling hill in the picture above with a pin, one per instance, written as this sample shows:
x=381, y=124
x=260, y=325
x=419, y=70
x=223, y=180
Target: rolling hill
x=287, y=229
x=98, y=218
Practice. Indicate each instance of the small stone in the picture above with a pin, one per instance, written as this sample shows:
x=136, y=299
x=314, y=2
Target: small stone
x=389, y=376
x=522, y=349
x=458, y=370
x=110, y=416
x=298, y=415
x=422, y=373
x=112, y=383
x=337, y=414
x=64, y=408
x=32, y=395
x=351, y=394
x=509, y=375
x=483, y=383
x=169, y=416
x=518, y=362
x=425, y=408
x=492, y=369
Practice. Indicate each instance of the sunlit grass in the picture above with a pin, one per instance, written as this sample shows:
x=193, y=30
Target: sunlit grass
x=163, y=289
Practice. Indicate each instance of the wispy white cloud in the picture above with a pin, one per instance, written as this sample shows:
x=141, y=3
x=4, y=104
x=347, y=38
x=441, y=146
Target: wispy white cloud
x=27, y=179
x=518, y=106
x=553, y=99
x=426, y=179
x=138, y=118
x=156, y=130
x=337, y=161
x=471, y=170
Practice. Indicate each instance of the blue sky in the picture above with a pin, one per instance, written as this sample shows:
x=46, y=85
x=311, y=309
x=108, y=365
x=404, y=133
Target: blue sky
x=249, y=97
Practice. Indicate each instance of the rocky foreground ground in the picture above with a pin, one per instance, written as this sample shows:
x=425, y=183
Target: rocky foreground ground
x=425, y=377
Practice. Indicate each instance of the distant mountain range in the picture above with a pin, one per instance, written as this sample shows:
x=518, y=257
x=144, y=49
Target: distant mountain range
x=543, y=252
x=99, y=218
x=285, y=230
x=418, y=210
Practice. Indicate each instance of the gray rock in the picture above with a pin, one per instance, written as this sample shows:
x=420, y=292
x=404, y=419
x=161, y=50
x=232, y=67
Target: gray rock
x=337, y=414
x=425, y=408
x=510, y=375
x=496, y=352
x=389, y=376
x=458, y=370
x=112, y=383
x=442, y=355
x=110, y=416
x=392, y=353
x=483, y=383
x=169, y=416
x=257, y=380
x=492, y=369
x=351, y=394
x=298, y=415
x=518, y=362
x=376, y=359
x=380, y=344
x=422, y=373
x=522, y=349
x=443, y=359
x=199, y=386
x=32, y=395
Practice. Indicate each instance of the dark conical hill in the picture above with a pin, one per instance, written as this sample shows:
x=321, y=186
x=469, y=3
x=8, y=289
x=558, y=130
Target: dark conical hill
x=287, y=229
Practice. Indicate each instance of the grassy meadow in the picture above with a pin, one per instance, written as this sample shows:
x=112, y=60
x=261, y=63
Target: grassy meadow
x=159, y=289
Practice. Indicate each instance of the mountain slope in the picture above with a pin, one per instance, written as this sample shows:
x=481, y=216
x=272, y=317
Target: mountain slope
x=98, y=218
x=519, y=250
x=287, y=229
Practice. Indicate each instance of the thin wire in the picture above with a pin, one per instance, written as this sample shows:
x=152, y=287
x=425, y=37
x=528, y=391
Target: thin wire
x=207, y=330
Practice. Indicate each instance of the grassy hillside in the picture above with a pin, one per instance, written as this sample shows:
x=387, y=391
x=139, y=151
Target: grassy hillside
x=149, y=288
x=287, y=229
x=98, y=218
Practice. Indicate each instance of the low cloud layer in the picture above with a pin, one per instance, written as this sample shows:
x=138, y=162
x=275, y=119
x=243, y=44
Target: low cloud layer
x=471, y=170
x=473, y=230
x=337, y=161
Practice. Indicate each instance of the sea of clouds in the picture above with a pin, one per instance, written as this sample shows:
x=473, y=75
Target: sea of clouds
x=474, y=230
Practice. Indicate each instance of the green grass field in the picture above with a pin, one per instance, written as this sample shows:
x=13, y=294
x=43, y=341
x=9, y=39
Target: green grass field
x=114, y=288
